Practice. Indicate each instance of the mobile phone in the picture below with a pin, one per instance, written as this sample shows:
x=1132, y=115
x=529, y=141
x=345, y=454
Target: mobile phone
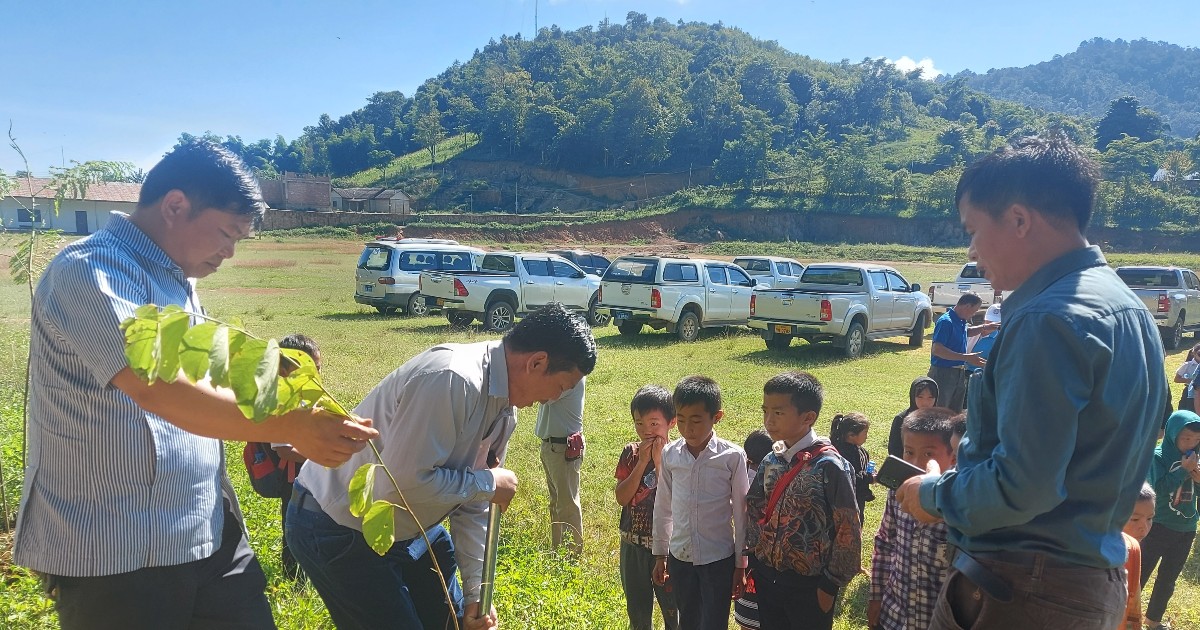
x=895, y=471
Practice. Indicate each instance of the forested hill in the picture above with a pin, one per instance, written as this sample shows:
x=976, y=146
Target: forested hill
x=1163, y=77
x=652, y=95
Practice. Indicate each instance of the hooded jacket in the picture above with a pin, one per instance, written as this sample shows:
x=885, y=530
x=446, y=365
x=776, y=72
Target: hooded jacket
x=895, y=442
x=1168, y=477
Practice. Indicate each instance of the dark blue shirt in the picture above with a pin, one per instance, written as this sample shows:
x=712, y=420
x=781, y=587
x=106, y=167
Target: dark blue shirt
x=950, y=331
x=1062, y=422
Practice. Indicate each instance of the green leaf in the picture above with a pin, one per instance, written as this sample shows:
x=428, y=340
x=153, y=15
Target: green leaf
x=379, y=527
x=254, y=375
x=332, y=406
x=226, y=343
x=142, y=342
x=301, y=388
x=296, y=360
x=362, y=487
x=195, y=348
x=171, y=329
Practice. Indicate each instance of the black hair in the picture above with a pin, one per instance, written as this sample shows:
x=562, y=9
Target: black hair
x=969, y=299
x=652, y=398
x=844, y=425
x=304, y=343
x=559, y=332
x=804, y=388
x=932, y=421
x=920, y=384
x=1147, y=493
x=758, y=445
x=958, y=424
x=1047, y=174
x=698, y=390
x=209, y=175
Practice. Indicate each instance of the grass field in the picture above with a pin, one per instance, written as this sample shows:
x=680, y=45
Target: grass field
x=279, y=286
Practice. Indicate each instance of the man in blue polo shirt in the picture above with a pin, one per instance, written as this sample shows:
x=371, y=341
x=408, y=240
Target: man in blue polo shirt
x=949, y=357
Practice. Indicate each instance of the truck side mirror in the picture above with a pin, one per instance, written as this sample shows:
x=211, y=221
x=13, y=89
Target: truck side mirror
x=753, y=282
x=916, y=287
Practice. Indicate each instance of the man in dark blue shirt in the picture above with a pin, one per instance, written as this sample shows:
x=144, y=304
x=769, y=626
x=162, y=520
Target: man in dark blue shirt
x=1062, y=424
x=948, y=356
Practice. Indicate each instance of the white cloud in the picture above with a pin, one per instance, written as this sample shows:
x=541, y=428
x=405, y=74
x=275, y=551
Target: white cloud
x=928, y=71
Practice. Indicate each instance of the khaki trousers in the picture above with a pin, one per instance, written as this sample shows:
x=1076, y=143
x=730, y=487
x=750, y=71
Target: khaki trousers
x=562, y=480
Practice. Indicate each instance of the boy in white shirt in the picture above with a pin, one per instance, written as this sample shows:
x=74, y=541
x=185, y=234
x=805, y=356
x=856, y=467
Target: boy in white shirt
x=700, y=511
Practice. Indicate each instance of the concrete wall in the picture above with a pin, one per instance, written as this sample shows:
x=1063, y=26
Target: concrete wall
x=297, y=192
x=95, y=213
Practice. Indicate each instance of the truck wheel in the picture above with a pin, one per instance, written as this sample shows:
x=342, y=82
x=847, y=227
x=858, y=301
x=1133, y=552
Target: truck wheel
x=1174, y=337
x=499, y=317
x=416, y=306
x=459, y=319
x=779, y=342
x=916, y=339
x=596, y=319
x=629, y=329
x=856, y=338
x=688, y=327
x=385, y=310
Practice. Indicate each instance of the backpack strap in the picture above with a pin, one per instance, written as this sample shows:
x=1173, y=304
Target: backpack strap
x=814, y=454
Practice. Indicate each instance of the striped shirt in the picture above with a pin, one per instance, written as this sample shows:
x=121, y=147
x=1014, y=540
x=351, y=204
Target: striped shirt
x=109, y=488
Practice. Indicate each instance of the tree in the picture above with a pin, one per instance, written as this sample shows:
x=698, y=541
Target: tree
x=1126, y=117
x=429, y=132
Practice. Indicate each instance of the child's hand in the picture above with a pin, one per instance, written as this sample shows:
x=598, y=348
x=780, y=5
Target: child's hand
x=739, y=582
x=824, y=600
x=646, y=450
x=1190, y=461
x=873, y=608
x=660, y=573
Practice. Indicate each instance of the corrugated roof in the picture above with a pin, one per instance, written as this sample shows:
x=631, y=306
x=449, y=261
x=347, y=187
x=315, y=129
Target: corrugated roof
x=39, y=187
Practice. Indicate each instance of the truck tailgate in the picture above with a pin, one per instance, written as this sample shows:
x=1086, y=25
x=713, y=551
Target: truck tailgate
x=627, y=295
x=788, y=305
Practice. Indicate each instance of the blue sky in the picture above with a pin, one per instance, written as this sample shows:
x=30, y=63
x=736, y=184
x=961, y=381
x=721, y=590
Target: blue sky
x=121, y=80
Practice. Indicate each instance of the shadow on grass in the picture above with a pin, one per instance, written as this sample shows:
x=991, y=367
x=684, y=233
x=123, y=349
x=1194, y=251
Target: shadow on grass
x=356, y=316
x=1191, y=570
x=650, y=338
x=804, y=354
x=853, y=604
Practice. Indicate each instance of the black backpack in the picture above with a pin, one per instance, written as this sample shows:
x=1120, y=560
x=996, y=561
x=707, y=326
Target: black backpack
x=270, y=475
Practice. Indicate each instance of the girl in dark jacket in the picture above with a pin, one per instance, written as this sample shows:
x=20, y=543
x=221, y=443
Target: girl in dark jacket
x=922, y=394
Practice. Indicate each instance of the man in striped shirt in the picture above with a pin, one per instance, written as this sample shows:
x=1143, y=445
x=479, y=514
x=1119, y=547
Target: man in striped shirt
x=126, y=512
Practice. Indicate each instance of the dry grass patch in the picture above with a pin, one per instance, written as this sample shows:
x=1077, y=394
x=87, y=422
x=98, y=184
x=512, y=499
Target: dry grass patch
x=266, y=263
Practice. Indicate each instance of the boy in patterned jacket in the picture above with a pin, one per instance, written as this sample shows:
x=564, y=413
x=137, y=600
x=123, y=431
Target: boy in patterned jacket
x=803, y=532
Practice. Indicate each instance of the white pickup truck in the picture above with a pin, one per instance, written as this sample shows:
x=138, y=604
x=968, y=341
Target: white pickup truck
x=943, y=296
x=509, y=285
x=772, y=271
x=679, y=294
x=847, y=303
x=1173, y=296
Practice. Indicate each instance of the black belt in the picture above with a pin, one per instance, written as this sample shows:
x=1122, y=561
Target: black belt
x=995, y=586
x=304, y=499
x=554, y=440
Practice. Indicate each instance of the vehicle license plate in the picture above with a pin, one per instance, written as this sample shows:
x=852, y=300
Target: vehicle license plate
x=367, y=288
x=622, y=314
x=783, y=329
x=441, y=301
x=432, y=301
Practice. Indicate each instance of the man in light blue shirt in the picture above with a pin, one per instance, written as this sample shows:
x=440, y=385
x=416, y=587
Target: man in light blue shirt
x=1062, y=422
x=124, y=511
x=559, y=426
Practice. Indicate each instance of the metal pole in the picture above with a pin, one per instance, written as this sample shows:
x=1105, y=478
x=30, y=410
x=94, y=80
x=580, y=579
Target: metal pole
x=488, y=586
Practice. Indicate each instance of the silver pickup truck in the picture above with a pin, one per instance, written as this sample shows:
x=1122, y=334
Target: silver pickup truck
x=509, y=285
x=847, y=303
x=1173, y=296
x=943, y=296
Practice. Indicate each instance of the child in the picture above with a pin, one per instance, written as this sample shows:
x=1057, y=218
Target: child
x=1185, y=374
x=1173, y=475
x=1135, y=530
x=848, y=432
x=959, y=425
x=637, y=477
x=803, y=529
x=912, y=559
x=922, y=394
x=288, y=454
x=700, y=511
x=745, y=609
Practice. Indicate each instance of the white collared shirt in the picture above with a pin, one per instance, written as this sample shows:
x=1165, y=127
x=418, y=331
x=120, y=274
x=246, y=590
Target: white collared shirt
x=787, y=453
x=700, y=505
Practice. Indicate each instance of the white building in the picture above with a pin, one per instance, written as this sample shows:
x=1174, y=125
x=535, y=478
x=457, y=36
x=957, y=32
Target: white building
x=31, y=204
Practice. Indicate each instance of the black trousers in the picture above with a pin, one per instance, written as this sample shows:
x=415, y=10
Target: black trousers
x=704, y=592
x=223, y=591
x=1172, y=549
x=788, y=600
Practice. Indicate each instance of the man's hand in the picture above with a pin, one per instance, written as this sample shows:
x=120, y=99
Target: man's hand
x=472, y=620
x=327, y=439
x=739, y=582
x=660, y=573
x=506, y=486
x=824, y=600
x=974, y=358
x=907, y=495
x=873, y=608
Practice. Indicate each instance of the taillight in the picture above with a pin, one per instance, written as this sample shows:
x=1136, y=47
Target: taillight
x=460, y=289
x=826, y=311
x=997, y=296
x=753, y=299
x=655, y=299
x=387, y=280
x=600, y=294
x=1164, y=304
x=930, y=294
x=420, y=284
